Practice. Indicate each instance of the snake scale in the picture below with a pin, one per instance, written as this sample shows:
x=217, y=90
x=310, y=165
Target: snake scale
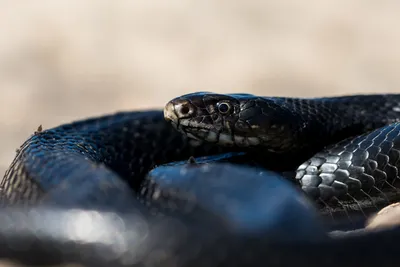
x=266, y=176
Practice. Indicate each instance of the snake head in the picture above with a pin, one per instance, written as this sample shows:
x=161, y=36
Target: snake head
x=203, y=116
x=242, y=120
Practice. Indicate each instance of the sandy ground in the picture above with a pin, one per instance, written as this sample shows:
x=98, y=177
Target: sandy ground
x=70, y=59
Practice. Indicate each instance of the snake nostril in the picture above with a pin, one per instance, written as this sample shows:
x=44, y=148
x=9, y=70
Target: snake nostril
x=185, y=110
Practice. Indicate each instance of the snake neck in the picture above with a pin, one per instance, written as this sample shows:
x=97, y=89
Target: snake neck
x=318, y=122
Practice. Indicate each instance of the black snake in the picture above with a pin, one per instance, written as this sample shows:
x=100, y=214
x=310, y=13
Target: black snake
x=98, y=205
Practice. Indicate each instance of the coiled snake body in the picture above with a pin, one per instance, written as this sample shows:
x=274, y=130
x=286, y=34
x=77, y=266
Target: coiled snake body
x=345, y=152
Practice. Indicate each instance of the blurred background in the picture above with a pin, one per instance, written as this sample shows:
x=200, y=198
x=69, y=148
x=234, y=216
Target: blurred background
x=70, y=59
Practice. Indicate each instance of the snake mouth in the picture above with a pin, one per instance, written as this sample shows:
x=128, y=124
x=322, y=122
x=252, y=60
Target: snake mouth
x=216, y=137
x=170, y=114
x=172, y=117
x=197, y=132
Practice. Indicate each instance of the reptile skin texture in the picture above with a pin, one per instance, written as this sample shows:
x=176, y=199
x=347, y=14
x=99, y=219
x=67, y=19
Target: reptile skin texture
x=360, y=173
x=221, y=234
x=345, y=149
x=94, y=154
x=69, y=187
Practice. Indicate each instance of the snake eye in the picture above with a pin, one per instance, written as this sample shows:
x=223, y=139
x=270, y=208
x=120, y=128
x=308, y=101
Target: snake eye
x=224, y=107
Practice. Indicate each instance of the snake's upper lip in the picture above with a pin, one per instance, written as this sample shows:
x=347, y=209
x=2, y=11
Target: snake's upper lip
x=169, y=113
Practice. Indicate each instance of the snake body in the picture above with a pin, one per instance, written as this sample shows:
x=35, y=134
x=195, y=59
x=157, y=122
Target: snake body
x=347, y=146
x=345, y=151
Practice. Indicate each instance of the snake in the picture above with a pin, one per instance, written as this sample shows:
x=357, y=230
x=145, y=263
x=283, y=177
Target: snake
x=210, y=180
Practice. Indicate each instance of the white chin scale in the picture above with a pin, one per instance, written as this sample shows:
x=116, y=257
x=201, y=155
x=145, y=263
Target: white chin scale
x=208, y=136
x=226, y=139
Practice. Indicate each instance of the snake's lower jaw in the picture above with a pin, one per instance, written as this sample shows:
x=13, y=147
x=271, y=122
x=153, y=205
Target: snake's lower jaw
x=191, y=136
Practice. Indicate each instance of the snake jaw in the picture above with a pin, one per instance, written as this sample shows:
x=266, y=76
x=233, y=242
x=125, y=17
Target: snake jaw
x=169, y=113
x=171, y=116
